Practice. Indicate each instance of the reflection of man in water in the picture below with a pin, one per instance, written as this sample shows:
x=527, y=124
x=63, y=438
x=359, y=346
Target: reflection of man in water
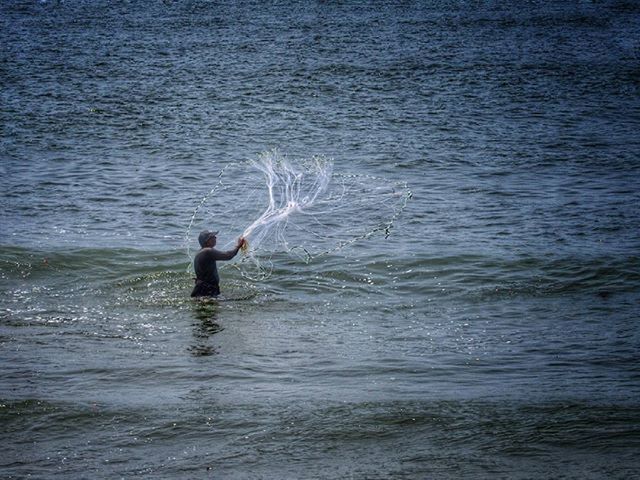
x=207, y=279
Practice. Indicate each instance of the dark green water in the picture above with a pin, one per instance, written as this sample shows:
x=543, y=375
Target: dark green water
x=493, y=334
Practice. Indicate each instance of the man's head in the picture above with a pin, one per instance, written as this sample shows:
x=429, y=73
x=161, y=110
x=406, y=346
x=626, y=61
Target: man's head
x=207, y=238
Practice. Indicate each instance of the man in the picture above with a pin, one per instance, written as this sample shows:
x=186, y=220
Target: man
x=207, y=279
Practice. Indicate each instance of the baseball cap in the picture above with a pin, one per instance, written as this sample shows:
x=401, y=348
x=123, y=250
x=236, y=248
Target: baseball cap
x=204, y=237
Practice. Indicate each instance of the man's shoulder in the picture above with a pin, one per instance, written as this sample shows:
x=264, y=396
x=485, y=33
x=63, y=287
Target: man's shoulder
x=205, y=252
x=209, y=251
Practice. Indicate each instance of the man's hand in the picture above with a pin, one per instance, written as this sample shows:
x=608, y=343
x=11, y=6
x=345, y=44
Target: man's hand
x=240, y=243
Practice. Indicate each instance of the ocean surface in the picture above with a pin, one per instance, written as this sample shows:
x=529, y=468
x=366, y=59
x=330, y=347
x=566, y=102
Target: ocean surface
x=493, y=333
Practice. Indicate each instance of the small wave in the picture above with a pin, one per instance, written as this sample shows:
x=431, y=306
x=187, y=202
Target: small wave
x=131, y=275
x=472, y=276
x=19, y=262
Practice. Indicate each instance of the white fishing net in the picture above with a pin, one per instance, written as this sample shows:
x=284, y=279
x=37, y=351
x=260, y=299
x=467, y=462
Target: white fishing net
x=302, y=209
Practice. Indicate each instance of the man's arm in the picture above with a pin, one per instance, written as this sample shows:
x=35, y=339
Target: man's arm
x=229, y=254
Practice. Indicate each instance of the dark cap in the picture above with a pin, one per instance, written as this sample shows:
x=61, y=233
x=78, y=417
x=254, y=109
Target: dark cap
x=204, y=237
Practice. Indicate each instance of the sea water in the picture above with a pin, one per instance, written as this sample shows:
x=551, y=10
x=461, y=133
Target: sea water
x=493, y=334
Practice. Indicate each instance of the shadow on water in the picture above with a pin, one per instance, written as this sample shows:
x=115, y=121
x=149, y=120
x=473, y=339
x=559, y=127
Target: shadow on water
x=204, y=327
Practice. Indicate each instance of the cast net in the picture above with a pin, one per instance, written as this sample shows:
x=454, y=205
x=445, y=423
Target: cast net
x=298, y=210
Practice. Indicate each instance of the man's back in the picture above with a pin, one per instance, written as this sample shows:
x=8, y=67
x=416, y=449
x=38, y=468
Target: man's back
x=205, y=265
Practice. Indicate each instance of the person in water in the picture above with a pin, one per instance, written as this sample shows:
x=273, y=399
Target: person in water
x=207, y=279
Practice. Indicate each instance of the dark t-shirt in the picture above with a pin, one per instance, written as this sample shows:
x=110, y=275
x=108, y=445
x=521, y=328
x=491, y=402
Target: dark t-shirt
x=205, y=264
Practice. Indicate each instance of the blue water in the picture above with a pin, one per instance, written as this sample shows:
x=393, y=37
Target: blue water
x=492, y=334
